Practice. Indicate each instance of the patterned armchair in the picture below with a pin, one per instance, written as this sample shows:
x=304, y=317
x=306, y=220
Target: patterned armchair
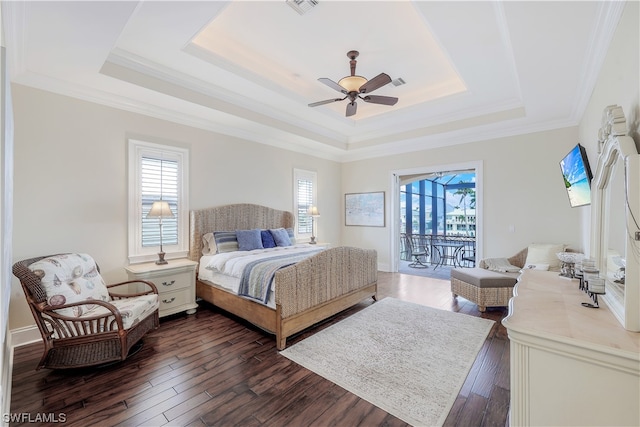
x=84, y=322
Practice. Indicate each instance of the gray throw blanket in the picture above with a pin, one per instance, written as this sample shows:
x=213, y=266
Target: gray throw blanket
x=501, y=265
x=257, y=277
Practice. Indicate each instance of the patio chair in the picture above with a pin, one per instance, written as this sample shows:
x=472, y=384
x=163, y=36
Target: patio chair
x=468, y=254
x=84, y=322
x=419, y=250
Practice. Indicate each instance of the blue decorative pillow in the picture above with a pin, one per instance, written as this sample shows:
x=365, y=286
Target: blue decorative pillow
x=249, y=240
x=292, y=236
x=280, y=236
x=226, y=241
x=267, y=239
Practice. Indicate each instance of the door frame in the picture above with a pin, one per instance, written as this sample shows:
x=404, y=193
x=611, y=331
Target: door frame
x=394, y=214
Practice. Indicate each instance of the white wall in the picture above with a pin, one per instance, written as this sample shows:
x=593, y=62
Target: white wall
x=71, y=179
x=618, y=84
x=522, y=186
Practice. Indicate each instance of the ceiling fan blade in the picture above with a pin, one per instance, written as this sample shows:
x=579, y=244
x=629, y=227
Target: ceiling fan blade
x=351, y=108
x=332, y=84
x=376, y=99
x=326, y=101
x=375, y=83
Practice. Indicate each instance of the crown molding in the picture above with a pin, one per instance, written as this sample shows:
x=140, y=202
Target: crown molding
x=283, y=141
x=609, y=15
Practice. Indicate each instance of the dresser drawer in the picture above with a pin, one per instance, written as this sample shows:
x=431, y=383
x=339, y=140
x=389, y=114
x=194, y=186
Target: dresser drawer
x=173, y=301
x=173, y=282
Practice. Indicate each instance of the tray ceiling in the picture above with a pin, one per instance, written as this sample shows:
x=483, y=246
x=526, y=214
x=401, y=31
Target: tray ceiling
x=472, y=70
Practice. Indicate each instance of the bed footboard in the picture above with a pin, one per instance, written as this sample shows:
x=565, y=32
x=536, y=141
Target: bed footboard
x=321, y=286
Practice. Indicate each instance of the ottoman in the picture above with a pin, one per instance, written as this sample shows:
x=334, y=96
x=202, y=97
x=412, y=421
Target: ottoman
x=484, y=287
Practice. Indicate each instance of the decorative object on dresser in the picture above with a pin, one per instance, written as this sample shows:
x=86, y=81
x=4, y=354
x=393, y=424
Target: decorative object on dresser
x=615, y=212
x=176, y=283
x=160, y=209
x=84, y=322
x=407, y=359
x=569, y=260
x=313, y=213
x=300, y=295
x=565, y=358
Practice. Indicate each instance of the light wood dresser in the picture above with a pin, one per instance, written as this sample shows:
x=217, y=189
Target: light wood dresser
x=570, y=365
x=176, y=283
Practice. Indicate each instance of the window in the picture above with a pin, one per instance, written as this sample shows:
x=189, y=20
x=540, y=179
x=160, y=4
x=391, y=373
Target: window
x=304, y=196
x=157, y=172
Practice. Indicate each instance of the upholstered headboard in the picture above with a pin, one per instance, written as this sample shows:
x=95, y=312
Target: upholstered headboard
x=243, y=216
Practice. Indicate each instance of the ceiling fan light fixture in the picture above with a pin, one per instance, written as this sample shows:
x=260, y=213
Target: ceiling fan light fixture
x=352, y=83
x=354, y=86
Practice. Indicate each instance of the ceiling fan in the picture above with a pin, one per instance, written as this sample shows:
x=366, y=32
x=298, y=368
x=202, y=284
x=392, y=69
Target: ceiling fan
x=353, y=86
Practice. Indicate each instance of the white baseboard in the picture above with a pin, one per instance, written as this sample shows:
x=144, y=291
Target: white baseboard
x=25, y=335
x=383, y=267
x=7, y=370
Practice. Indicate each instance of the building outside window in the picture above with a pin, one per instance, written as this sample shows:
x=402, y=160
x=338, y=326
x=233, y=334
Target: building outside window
x=442, y=204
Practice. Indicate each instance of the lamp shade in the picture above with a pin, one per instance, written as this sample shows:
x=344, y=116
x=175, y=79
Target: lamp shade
x=313, y=211
x=160, y=209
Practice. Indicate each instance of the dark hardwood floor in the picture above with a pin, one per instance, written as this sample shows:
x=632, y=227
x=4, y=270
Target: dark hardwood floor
x=211, y=369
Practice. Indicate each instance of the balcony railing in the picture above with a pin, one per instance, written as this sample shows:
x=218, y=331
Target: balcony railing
x=427, y=243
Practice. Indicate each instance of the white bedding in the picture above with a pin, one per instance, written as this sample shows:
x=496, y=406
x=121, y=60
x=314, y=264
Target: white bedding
x=233, y=263
x=225, y=269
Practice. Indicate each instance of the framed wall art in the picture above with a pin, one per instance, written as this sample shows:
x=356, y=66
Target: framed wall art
x=364, y=209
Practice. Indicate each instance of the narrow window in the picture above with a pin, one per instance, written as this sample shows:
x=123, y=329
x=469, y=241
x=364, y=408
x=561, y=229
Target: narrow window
x=157, y=172
x=304, y=198
x=159, y=181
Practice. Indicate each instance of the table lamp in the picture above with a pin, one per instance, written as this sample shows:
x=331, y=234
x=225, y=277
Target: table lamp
x=314, y=213
x=160, y=209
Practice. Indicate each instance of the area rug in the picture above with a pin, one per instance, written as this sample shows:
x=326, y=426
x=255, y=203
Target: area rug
x=407, y=359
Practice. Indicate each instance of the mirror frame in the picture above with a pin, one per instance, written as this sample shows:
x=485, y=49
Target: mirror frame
x=618, y=150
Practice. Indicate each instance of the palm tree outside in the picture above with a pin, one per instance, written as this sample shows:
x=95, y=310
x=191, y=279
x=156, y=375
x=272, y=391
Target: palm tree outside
x=465, y=193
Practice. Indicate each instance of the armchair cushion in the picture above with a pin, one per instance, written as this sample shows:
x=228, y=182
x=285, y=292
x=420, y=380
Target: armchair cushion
x=132, y=310
x=71, y=278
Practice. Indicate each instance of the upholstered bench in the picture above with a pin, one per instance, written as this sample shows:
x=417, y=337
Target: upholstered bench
x=484, y=287
x=489, y=288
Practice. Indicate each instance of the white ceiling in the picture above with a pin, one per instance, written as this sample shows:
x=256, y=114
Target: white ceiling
x=473, y=70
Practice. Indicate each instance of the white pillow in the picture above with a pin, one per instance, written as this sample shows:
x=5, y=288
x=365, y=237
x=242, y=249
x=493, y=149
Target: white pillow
x=208, y=244
x=544, y=253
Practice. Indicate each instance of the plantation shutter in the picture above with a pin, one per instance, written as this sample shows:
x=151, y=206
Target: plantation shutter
x=305, y=201
x=159, y=181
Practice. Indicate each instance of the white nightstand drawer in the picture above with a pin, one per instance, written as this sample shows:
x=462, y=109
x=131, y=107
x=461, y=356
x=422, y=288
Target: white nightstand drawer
x=173, y=301
x=176, y=283
x=172, y=282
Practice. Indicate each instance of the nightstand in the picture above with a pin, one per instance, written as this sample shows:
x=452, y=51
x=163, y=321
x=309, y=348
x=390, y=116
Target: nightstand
x=176, y=283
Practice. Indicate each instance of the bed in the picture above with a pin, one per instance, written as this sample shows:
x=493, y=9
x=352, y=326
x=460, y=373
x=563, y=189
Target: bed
x=316, y=288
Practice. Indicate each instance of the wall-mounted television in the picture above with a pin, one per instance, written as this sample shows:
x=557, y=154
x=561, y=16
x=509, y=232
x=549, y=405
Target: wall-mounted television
x=577, y=176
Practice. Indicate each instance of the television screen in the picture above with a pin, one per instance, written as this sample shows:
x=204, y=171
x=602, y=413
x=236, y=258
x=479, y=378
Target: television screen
x=577, y=176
